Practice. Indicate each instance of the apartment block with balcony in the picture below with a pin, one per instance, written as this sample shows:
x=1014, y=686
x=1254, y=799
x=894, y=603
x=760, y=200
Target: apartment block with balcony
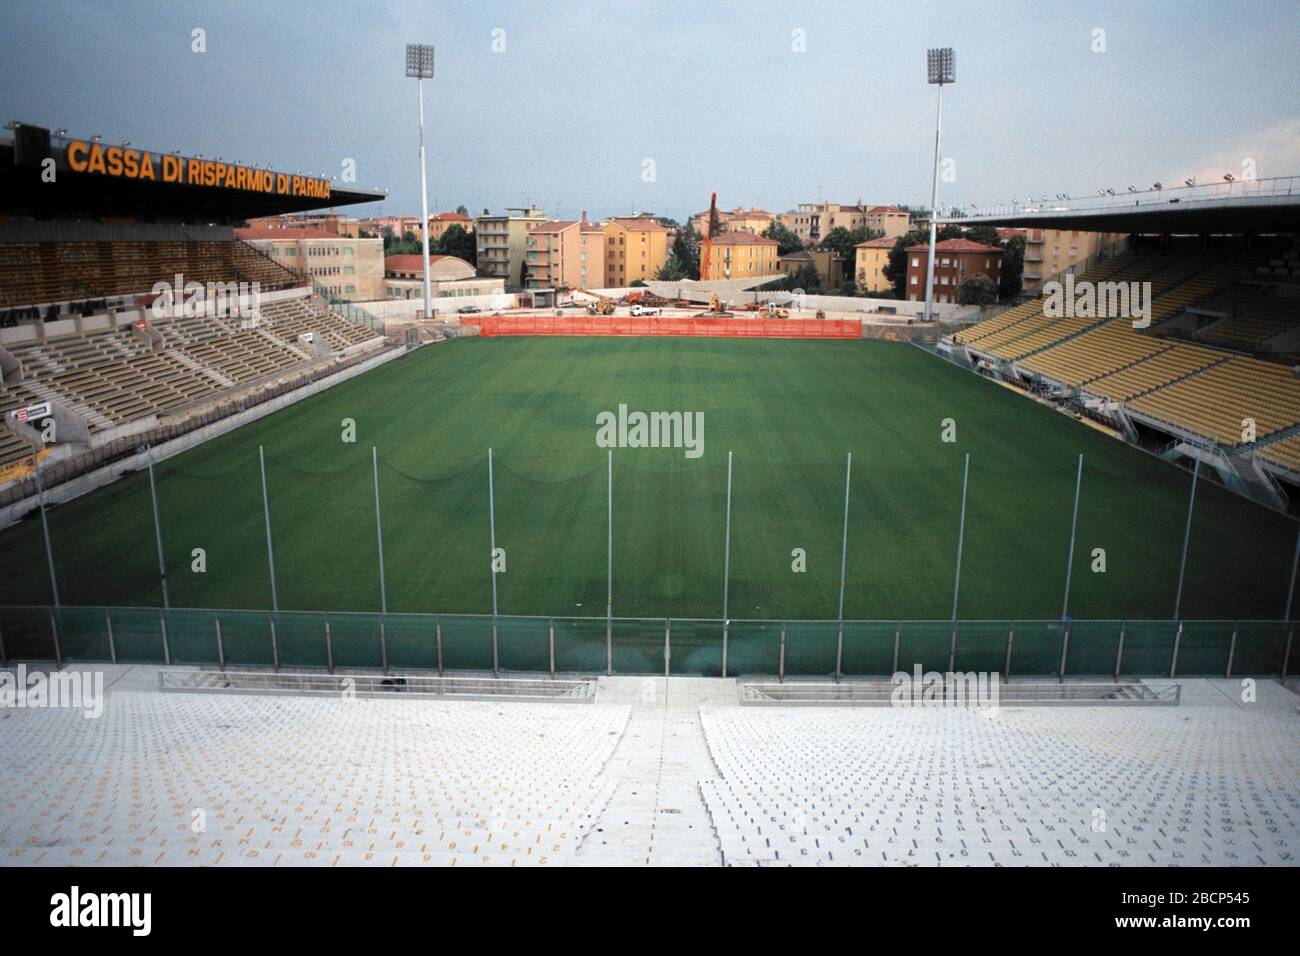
x=1052, y=253
x=869, y=267
x=565, y=254
x=956, y=260
x=734, y=220
x=635, y=249
x=348, y=269
x=501, y=242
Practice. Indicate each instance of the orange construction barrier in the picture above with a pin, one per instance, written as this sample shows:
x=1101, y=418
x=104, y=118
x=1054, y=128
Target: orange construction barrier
x=720, y=326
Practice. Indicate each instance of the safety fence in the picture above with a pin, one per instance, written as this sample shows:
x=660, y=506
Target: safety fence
x=670, y=646
x=720, y=326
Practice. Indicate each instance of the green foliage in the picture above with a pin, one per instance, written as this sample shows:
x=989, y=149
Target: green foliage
x=896, y=268
x=786, y=241
x=1011, y=276
x=977, y=290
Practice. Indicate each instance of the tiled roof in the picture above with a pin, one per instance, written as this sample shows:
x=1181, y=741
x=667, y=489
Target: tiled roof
x=954, y=245
x=742, y=239
x=264, y=232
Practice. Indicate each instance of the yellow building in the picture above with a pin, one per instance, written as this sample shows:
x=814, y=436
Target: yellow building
x=739, y=255
x=565, y=254
x=441, y=222
x=1051, y=253
x=735, y=220
x=869, y=269
x=351, y=270
x=501, y=243
x=634, y=249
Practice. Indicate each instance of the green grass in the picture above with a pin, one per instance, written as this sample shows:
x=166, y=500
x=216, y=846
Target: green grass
x=788, y=410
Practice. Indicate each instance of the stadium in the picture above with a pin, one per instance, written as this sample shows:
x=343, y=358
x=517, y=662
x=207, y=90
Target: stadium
x=316, y=558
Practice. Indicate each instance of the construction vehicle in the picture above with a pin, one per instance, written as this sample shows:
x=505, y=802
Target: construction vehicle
x=600, y=304
x=773, y=311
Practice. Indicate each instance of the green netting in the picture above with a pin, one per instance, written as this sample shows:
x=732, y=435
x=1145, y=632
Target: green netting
x=523, y=644
x=1148, y=648
x=869, y=647
x=210, y=499
x=246, y=638
x=696, y=647
x=1093, y=648
x=579, y=645
x=1260, y=647
x=924, y=643
x=27, y=633
x=639, y=646
x=192, y=636
x=356, y=640
x=982, y=646
x=466, y=642
x=754, y=647
x=412, y=641
x=810, y=648
x=83, y=634
x=137, y=634
x=1203, y=649
x=300, y=636
x=1036, y=649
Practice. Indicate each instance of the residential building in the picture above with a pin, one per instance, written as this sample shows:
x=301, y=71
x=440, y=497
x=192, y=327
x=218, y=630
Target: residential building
x=501, y=242
x=813, y=221
x=1052, y=253
x=635, y=248
x=869, y=268
x=735, y=220
x=344, y=268
x=739, y=255
x=829, y=266
x=441, y=222
x=566, y=254
x=890, y=220
x=956, y=260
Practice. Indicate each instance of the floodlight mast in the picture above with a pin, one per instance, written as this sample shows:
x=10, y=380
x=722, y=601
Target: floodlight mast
x=941, y=68
x=419, y=64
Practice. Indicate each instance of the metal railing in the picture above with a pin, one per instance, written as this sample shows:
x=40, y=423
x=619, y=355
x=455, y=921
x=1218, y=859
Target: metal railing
x=501, y=644
x=1279, y=187
x=374, y=685
x=1009, y=694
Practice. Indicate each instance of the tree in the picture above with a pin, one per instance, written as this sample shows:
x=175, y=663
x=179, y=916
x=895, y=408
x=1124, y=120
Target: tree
x=786, y=241
x=457, y=241
x=985, y=234
x=686, y=249
x=806, y=278
x=462, y=210
x=977, y=290
x=637, y=284
x=673, y=270
x=1011, y=276
x=844, y=243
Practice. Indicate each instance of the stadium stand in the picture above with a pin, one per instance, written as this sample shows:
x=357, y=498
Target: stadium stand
x=35, y=273
x=1215, y=401
x=1159, y=370
x=1285, y=453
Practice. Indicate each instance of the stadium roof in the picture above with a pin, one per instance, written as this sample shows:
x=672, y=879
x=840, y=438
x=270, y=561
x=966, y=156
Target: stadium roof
x=94, y=180
x=1257, y=206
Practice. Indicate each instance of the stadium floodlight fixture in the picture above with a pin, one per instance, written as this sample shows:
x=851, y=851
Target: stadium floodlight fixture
x=1157, y=186
x=1229, y=178
x=941, y=68
x=60, y=132
x=96, y=138
x=1132, y=189
x=419, y=65
x=1190, y=182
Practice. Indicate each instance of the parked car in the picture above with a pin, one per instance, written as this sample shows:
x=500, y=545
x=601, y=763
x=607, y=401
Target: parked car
x=469, y=309
x=645, y=310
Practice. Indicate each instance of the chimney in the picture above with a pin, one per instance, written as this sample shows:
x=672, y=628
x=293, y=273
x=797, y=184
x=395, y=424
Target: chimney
x=584, y=217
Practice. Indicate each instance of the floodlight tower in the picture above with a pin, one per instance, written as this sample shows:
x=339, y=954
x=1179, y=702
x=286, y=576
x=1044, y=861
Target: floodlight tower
x=419, y=64
x=941, y=67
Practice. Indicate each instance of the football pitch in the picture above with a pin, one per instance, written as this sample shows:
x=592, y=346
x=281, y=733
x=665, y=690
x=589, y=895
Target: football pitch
x=788, y=411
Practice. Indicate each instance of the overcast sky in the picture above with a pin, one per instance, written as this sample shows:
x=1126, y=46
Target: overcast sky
x=613, y=107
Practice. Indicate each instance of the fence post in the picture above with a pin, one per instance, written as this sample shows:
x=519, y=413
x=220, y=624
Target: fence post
x=329, y=646
x=780, y=663
x=112, y=646
x=726, y=568
x=1232, y=649
x=1178, y=639
x=668, y=647
x=1187, y=537
x=58, y=650
x=898, y=640
x=221, y=647
x=956, y=584
x=167, y=645
x=492, y=530
x=383, y=585
x=550, y=644
x=844, y=552
x=609, y=563
x=3, y=657
x=437, y=635
x=1119, y=653
x=1286, y=655
x=1065, y=649
x=1011, y=637
x=275, y=644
